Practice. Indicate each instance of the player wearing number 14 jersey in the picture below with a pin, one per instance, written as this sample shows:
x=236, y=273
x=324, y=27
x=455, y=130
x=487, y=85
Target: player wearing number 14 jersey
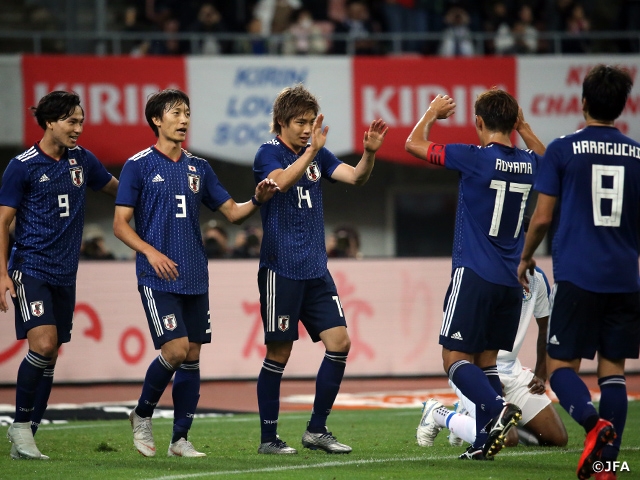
x=483, y=303
x=594, y=174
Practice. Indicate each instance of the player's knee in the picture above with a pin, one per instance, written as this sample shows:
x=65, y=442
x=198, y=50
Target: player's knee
x=46, y=347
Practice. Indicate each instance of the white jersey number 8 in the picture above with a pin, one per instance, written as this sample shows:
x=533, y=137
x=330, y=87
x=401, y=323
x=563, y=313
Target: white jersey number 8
x=614, y=193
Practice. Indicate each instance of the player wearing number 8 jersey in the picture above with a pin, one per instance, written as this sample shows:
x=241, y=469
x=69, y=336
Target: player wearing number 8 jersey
x=293, y=279
x=594, y=174
x=483, y=303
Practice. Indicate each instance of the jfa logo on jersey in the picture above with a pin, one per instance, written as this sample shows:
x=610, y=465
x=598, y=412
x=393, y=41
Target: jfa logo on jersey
x=313, y=173
x=526, y=296
x=72, y=161
x=170, y=322
x=37, y=308
x=283, y=323
x=194, y=182
x=192, y=168
x=77, y=176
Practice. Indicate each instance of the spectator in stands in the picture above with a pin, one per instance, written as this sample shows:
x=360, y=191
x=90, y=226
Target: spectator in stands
x=275, y=15
x=134, y=23
x=357, y=26
x=216, y=240
x=525, y=33
x=257, y=44
x=304, y=36
x=248, y=242
x=93, y=246
x=456, y=38
x=210, y=22
x=169, y=45
x=406, y=16
x=498, y=25
x=344, y=243
x=577, y=24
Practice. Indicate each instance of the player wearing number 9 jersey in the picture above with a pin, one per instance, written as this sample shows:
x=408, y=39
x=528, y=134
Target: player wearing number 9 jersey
x=483, y=303
x=594, y=175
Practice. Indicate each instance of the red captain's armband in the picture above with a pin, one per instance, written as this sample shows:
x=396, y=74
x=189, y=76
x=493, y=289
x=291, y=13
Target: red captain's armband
x=435, y=154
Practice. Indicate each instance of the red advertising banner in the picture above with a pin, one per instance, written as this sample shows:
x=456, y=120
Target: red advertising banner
x=113, y=90
x=399, y=90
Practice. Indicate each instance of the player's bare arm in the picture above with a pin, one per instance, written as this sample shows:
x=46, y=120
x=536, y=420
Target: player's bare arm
x=541, y=348
x=237, y=213
x=359, y=175
x=163, y=266
x=7, y=214
x=111, y=188
x=529, y=138
x=538, y=227
x=418, y=142
x=287, y=178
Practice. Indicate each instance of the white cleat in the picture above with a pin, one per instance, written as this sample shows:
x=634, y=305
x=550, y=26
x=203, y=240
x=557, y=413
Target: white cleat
x=24, y=446
x=183, y=448
x=142, y=434
x=428, y=429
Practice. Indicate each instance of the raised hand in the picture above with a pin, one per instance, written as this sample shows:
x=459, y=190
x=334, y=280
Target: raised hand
x=266, y=189
x=374, y=137
x=443, y=106
x=318, y=134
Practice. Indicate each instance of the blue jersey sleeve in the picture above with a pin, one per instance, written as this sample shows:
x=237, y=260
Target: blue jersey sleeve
x=548, y=177
x=329, y=163
x=14, y=181
x=267, y=160
x=98, y=175
x=214, y=193
x=461, y=157
x=130, y=184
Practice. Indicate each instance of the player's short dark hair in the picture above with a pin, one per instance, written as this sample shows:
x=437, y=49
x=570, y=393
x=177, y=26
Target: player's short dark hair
x=162, y=101
x=498, y=109
x=54, y=106
x=606, y=89
x=292, y=102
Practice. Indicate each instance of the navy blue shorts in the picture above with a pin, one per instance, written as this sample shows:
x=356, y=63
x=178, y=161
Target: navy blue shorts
x=173, y=315
x=479, y=315
x=583, y=323
x=283, y=302
x=40, y=303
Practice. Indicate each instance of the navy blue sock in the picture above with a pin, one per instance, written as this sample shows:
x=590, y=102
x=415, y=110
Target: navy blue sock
x=269, y=398
x=156, y=380
x=475, y=385
x=613, y=407
x=493, y=377
x=574, y=397
x=327, y=386
x=29, y=375
x=186, y=393
x=42, y=397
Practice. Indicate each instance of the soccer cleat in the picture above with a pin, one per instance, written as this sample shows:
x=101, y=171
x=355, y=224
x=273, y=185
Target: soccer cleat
x=428, y=429
x=24, y=446
x=455, y=440
x=472, y=453
x=498, y=428
x=276, y=447
x=597, y=438
x=183, y=448
x=142, y=434
x=324, y=441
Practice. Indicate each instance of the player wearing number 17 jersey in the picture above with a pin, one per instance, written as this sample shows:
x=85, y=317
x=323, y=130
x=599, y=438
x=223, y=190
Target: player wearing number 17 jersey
x=483, y=303
x=594, y=174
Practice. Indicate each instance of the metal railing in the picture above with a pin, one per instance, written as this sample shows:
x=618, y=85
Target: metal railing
x=119, y=43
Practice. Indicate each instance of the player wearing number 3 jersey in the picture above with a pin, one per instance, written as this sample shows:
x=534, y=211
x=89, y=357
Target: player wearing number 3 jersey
x=483, y=303
x=594, y=174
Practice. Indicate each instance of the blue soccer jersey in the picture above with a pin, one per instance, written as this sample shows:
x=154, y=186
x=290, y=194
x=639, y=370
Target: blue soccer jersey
x=293, y=222
x=495, y=182
x=595, y=173
x=166, y=198
x=49, y=196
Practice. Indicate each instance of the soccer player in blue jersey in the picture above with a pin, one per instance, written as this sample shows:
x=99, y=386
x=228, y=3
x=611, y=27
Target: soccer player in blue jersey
x=44, y=189
x=162, y=187
x=594, y=176
x=483, y=303
x=293, y=279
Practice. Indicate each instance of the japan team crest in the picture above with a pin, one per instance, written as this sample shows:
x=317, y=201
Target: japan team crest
x=313, y=172
x=283, y=323
x=77, y=176
x=192, y=168
x=72, y=161
x=170, y=322
x=194, y=182
x=526, y=296
x=37, y=308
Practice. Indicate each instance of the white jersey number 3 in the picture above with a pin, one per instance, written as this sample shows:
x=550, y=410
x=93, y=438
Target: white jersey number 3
x=614, y=193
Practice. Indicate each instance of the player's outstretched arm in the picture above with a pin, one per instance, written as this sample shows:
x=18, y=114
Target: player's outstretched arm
x=162, y=265
x=238, y=212
x=7, y=214
x=418, y=142
x=359, y=175
x=529, y=138
x=538, y=227
x=111, y=188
